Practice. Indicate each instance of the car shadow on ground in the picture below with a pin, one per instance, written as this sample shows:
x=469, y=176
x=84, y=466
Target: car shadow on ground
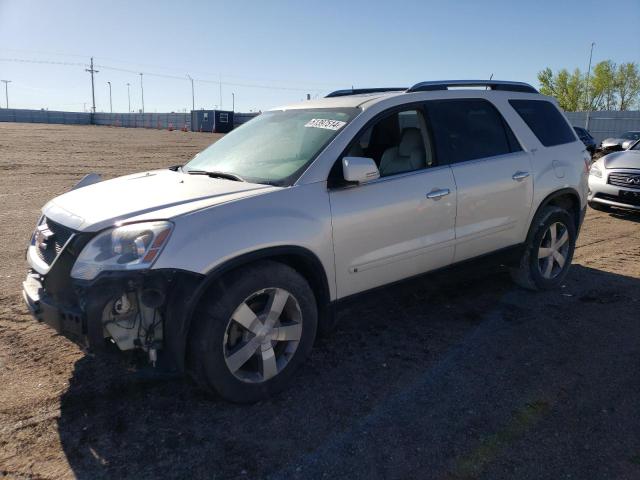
x=628, y=215
x=417, y=376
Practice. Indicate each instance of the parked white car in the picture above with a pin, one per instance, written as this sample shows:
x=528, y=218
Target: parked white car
x=614, y=180
x=228, y=266
x=622, y=142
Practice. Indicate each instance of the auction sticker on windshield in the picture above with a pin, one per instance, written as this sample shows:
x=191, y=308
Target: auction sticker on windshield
x=325, y=123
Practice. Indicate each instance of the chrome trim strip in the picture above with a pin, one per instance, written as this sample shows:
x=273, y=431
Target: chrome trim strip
x=380, y=262
x=614, y=204
x=486, y=233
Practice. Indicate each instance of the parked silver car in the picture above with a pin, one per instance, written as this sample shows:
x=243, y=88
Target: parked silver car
x=227, y=267
x=614, y=180
x=622, y=142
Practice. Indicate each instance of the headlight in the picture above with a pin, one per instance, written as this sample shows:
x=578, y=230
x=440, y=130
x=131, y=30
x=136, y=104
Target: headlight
x=130, y=247
x=595, y=171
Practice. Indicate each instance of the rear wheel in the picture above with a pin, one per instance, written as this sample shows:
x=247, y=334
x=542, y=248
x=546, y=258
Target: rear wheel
x=249, y=337
x=549, y=251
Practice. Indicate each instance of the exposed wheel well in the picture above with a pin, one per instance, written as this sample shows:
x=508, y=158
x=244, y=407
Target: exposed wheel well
x=566, y=199
x=569, y=202
x=310, y=271
x=298, y=258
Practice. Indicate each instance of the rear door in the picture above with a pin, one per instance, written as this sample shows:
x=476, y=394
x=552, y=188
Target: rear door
x=491, y=171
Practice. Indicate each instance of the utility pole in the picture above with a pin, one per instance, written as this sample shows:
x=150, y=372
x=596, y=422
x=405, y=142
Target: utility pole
x=6, y=90
x=193, y=95
x=110, y=102
x=129, y=96
x=142, y=90
x=233, y=101
x=91, y=70
x=586, y=125
x=220, y=83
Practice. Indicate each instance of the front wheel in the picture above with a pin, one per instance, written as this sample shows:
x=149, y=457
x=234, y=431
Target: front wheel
x=257, y=327
x=548, y=252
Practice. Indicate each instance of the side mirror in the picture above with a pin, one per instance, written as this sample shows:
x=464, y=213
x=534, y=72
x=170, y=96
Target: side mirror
x=359, y=169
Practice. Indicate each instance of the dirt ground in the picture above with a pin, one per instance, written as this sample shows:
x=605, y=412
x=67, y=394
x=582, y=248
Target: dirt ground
x=458, y=375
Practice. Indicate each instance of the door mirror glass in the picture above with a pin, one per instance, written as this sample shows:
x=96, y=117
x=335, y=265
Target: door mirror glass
x=359, y=169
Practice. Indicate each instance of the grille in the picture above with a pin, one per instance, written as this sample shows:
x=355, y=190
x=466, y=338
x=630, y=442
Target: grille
x=54, y=245
x=626, y=180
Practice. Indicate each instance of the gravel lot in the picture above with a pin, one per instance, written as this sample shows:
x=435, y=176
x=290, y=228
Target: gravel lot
x=455, y=376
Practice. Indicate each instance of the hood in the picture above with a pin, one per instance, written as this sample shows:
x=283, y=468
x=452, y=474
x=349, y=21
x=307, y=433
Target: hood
x=624, y=159
x=160, y=194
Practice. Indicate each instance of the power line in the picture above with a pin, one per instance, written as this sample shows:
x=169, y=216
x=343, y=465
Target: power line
x=138, y=66
x=48, y=62
x=164, y=75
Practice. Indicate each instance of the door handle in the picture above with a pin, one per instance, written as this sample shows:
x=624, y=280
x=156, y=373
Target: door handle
x=520, y=175
x=438, y=194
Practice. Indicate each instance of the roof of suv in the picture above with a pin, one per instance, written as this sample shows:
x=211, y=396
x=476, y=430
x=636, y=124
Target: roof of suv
x=362, y=100
x=365, y=98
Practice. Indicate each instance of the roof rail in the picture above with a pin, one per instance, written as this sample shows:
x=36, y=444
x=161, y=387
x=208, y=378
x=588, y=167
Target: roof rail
x=489, y=84
x=356, y=91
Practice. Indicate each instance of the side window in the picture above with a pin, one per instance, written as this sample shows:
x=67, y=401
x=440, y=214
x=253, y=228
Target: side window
x=398, y=143
x=545, y=121
x=469, y=129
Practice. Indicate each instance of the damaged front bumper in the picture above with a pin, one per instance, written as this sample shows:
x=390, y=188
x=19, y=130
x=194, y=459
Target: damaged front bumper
x=142, y=309
x=123, y=309
x=67, y=321
x=130, y=310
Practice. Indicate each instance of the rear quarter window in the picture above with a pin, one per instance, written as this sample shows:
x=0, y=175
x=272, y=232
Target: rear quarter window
x=545, y=121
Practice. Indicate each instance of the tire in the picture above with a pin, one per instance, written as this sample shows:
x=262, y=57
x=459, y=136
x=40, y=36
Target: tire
x=234, y=321
x=533, y=271
x=600, y=207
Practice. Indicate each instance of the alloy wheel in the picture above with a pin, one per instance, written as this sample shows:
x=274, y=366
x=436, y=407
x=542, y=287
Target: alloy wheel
x=262, y=335
x=553, y=250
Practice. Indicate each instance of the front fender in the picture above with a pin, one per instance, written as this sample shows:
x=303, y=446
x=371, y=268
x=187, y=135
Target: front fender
x=297, y=216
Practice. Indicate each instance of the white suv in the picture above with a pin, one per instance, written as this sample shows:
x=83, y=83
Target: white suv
x=228, y=266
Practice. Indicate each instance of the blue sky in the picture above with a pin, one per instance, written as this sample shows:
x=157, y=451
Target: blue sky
x=273, y=52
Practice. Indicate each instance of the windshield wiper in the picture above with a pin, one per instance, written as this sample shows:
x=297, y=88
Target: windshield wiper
x=225, y=175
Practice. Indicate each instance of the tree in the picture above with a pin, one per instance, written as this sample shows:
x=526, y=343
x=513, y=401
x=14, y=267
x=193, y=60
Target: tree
x=545, y=77
x=627, y=84
x=602, y=95
x=567, y=88
x=610, y=87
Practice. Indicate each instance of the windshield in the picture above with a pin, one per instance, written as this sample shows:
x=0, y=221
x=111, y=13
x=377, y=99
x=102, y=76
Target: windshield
x=275, y=147
x=636, y=146
x=631, y=136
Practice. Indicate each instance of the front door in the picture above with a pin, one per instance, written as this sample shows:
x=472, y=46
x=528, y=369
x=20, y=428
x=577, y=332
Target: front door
x=401, y=224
